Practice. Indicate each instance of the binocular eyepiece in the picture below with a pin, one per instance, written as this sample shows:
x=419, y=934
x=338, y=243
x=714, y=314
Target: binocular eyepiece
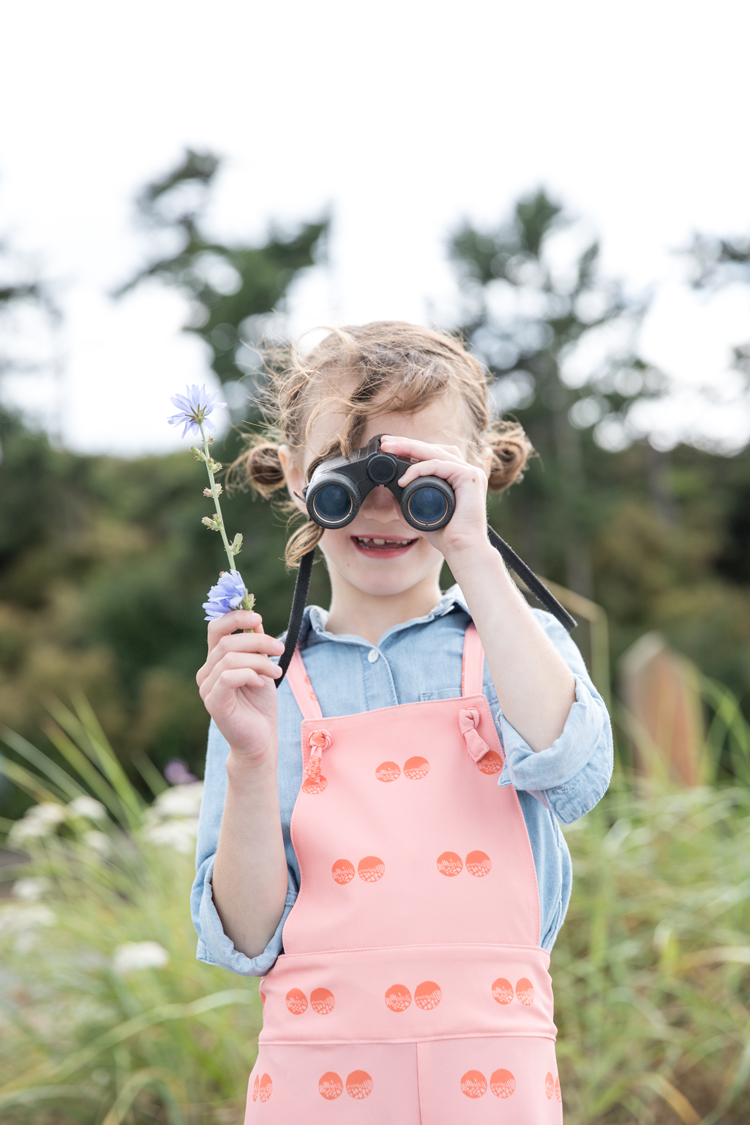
x=338, y=488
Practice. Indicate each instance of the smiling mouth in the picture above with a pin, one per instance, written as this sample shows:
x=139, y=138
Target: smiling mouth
x=383, y=546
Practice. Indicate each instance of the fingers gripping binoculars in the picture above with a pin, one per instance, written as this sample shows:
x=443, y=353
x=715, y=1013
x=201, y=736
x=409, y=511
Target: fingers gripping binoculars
x=338, y=488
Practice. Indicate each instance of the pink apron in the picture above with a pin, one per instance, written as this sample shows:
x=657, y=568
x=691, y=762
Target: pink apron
x=413, y=988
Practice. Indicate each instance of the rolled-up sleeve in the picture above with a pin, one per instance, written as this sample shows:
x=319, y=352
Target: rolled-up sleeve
x=214, y=947
x=573, y=774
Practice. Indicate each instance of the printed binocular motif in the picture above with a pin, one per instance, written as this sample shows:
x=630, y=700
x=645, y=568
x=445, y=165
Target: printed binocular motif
x=339, y=486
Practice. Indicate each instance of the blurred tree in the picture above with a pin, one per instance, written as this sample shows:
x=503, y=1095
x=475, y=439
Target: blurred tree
x=715, y=263
x=230, y=287
x=28, y=315
x=652, y=536
x=559, y=342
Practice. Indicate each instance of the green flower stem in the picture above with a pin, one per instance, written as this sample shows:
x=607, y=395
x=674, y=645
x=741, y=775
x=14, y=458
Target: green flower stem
x=215, y=495
x=248, y=601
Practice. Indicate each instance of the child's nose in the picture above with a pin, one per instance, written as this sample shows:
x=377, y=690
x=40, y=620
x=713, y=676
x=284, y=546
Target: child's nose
x=380, y=501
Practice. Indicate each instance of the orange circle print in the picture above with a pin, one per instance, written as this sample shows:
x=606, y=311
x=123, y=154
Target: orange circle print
x=490, y=763
x=359, y=1084
x=262, y=996
x=427, y=995
x=478, y=863
x=371, y=868
x=313, y=785
x=525, y=991
x=330, y=1085
x=256, y=1084
x=343, y=871
x=416, y=768
x=388, y=771
x=322, y=1001
x=558, y=1091
x=266, y=1088
x=473, y=1084
x=398, y=998
x=502, y=990
x=450, y=864
x=549, y=1086
x=502, y=1083
x=296, y=1001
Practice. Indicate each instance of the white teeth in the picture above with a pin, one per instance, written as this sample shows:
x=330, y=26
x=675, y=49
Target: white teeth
x=368, y=542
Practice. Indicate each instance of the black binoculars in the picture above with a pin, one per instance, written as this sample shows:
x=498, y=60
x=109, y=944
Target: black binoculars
x=338, y=488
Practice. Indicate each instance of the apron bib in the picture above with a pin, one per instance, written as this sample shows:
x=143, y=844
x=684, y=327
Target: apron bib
x=412, y=988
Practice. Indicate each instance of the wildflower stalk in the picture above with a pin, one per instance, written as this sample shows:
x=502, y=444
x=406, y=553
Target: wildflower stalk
x=230, y=592
x=216, y=523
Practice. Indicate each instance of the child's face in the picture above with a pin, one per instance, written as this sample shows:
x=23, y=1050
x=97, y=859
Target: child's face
x=379, y=552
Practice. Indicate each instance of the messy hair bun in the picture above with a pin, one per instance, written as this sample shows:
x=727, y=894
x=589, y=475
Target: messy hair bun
x=511, y=450
x=260, y=466
x=362, y=371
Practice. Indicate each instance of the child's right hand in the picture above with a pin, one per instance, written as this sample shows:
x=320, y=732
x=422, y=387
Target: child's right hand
x=236, y=682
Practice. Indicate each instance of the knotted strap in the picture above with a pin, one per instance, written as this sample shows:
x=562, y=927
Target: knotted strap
x=468, y=721
x=318, y=741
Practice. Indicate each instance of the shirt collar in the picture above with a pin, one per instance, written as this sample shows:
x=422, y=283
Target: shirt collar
x=315, y=619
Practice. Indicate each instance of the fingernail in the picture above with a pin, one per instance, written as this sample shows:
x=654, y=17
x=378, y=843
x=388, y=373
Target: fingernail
x=279, y=646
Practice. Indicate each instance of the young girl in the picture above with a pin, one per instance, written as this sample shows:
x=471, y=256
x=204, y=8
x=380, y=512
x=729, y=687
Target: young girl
x=379, y=838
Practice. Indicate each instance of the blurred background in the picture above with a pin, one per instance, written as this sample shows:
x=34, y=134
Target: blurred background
x=566, y=187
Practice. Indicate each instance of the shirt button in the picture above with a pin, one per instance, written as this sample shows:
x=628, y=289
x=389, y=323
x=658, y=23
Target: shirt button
x=372, y=655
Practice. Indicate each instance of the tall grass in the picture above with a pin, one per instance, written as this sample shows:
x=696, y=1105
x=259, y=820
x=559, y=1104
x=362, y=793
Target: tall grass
x=652, y=967
x=106, y=1016
x=651, y=970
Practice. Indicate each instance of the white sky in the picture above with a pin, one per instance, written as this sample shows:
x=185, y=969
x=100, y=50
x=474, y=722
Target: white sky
x=404, y=117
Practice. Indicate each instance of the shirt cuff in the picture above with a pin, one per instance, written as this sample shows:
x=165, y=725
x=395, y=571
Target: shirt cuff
x=571, y=775
x=215, y=948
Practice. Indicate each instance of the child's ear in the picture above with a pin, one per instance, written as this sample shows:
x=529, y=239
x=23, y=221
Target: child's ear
x=294, y=476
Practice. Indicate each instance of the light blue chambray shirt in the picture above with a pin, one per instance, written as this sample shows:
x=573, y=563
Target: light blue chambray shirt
x=418, y=660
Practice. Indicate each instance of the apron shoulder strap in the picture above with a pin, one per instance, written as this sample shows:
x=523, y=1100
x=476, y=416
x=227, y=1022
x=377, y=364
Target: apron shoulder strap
x=302, y=689
x=472, y=670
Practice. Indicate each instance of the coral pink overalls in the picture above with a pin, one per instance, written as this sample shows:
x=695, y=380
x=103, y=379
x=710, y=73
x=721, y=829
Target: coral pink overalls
x=413, y=989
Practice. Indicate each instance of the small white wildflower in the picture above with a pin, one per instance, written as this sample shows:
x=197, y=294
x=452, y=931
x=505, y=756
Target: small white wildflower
x=21, y=921
x=178, y=834
x=32, y=888
x=37, y=822
x=88, y=808
x=180, y=800
x=98, y=842
x=135, y=955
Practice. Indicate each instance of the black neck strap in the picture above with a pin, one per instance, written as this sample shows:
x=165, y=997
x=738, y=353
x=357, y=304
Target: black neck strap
x=511, y=559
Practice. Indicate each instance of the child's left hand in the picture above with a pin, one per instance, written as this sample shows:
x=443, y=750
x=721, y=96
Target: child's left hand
x=467, y=529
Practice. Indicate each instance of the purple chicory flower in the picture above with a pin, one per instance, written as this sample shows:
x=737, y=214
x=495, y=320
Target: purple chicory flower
x=194, y=407
x=226, y=595
x=177, y=773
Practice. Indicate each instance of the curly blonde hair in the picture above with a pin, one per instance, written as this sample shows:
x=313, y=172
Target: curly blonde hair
x=362, y=371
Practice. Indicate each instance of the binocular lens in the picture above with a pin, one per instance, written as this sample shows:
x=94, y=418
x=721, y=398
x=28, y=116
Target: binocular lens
x=332, y=503
x=427, y=506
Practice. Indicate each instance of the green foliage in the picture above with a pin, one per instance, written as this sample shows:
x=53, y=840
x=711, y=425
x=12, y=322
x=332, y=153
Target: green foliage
x=652, y=967
x=102, y=1027
x=104, y=565
x=228, y=286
